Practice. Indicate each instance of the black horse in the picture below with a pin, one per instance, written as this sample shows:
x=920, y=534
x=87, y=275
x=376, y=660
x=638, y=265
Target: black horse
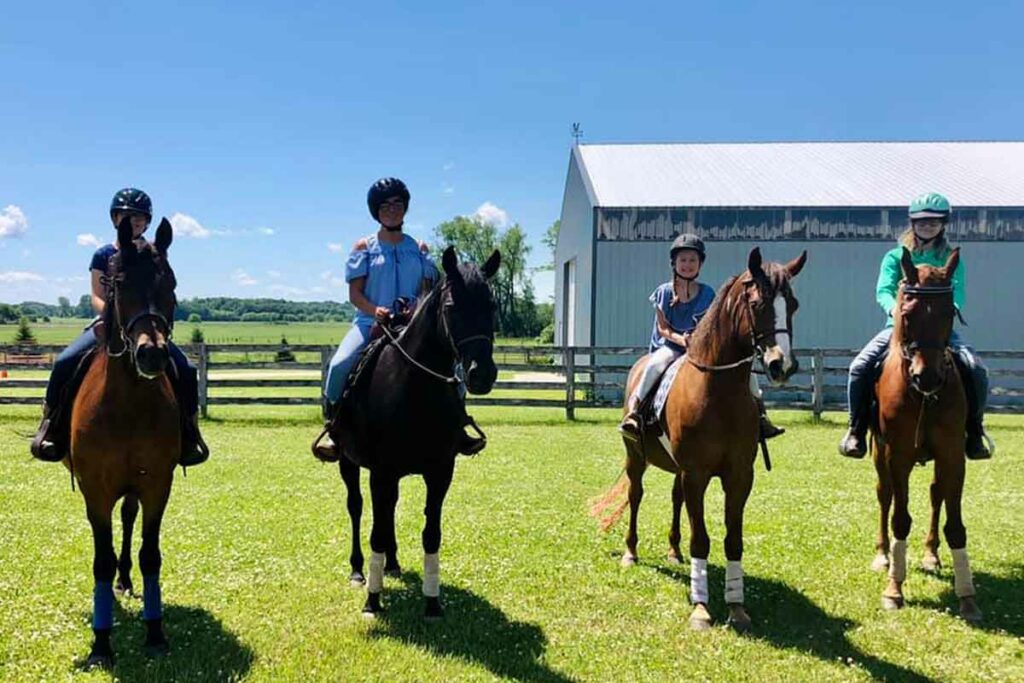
x=407, y=416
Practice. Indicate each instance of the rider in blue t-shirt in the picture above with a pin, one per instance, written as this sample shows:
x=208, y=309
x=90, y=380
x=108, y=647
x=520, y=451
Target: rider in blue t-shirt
x=678, y=306
x=385, y=270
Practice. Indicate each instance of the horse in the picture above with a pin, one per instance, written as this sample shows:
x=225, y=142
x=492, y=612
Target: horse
x=711, y=424
x=409, y=414
x=922, y=411
x=125, y=431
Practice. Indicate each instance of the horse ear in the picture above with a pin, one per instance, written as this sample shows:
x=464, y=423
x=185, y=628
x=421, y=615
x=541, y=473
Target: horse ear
x=796, y=265
x=164, y=236
x=125, y=239
x=754, y=261
x=450, y=263
x=952, y=262
x=491, y=267
x=909, y=269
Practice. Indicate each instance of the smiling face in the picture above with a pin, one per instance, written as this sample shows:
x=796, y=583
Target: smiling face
x=687, y=263
x=927, y=229
x=391, y=213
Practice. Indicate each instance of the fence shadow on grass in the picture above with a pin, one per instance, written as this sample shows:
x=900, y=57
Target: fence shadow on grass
x=1001, y=599
x=201, y=648
x=785, y=618
x=473, y=630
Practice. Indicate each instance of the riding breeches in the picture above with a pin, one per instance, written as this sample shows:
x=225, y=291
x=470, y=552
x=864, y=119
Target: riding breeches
x=344, y=359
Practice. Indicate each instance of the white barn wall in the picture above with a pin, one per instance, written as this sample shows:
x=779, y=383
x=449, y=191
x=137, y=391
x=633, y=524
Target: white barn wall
x=575, y=240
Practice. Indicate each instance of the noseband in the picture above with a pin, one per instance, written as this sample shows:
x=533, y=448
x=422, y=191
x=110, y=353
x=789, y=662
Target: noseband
x=909, y=348
x=124, y=331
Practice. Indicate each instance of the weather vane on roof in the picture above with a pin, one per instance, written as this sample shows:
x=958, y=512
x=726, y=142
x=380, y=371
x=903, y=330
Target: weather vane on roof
x=577, y=133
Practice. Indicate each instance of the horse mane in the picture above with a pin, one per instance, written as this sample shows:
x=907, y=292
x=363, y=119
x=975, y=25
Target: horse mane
x=706, y=336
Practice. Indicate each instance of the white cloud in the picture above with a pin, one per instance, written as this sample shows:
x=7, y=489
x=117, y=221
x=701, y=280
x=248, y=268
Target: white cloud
x=490, y=214
x=447, y=189
x=285, y=289
x=189, y=227
x=87, y=239
x=12, y=222
x=265, y=231
x=15, y=276
x=242, y=278
x=335, y=247
x=276, y=274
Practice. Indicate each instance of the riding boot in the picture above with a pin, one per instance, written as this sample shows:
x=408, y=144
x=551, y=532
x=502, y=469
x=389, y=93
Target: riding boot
x=768, y=430
x=325, y=448
x=48, y=444
x=470, y=445
x=630, y=425
x=978, y=446
x=854, y=444
x=194, y=450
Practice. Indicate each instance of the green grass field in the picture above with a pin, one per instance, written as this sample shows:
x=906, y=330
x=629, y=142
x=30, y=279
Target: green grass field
x=255, y=548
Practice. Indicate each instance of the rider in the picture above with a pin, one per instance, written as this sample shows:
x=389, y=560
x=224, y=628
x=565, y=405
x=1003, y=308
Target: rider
x=51, y=443
x=678, y=305
x=926, y=240
x=385, y=270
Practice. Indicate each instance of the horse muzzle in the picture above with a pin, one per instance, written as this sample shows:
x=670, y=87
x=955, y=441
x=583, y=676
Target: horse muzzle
x=778, y=367
x=151, y=360
x=480, y=378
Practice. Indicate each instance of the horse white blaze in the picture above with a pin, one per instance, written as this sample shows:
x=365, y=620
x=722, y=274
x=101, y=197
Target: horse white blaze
x=963, y=579
x=734, y=582
x=375, y=583
x=698, y=581
x=782, y=338
x=431, y=575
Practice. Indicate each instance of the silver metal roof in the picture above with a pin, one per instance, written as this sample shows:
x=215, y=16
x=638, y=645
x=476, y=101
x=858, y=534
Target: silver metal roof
x=802, y=173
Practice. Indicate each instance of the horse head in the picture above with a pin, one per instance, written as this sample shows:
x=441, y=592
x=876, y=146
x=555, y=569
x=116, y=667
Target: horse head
x=467, y=316
x=140, y=299
x=771, y=302
x=923, y=320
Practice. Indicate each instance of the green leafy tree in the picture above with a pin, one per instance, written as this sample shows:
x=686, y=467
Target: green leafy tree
x=550, y=240
x=64, y=305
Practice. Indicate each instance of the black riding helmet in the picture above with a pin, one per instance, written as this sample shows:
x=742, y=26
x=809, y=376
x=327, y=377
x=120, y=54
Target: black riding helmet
x=686, y=241
x=383, y=190
x=132, y=200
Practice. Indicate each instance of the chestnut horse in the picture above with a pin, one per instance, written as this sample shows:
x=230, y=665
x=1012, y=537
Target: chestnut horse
x=711, y=423
x=125, y=430
x=922, y=410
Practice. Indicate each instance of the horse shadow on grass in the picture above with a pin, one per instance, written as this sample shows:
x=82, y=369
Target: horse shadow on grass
x=472, y=629
x=201, y=649
x=1001, y=599
x=786, y=619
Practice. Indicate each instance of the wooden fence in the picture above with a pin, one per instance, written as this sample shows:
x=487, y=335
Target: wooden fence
x=566, y=377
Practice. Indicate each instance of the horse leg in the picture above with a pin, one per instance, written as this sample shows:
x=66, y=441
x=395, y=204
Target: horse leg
x=391, y=566
x=383, y=496
x=129, y=513
x=635, y=466
x=883, y=489
x=104, y=565
x=695, y=483
x=354, y=502
x=675, y=555
x=437, y=483
x=930, y=562
x=153, y=506
x=892, y=597
x=951, y=480
x=737, y=486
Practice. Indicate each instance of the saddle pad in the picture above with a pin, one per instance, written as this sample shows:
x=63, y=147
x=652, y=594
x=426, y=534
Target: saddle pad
x=661, y=395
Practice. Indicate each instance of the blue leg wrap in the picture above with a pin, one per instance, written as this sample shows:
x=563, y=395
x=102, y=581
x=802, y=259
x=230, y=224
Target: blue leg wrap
x=103, y=606
x=152, y=607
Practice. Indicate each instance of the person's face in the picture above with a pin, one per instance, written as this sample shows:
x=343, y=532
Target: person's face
x=687, y=263
x=139, y=222
x=927, y=228
x=391, y=212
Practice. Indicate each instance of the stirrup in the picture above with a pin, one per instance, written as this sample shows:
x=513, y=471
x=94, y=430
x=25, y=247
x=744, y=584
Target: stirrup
x=52, y=454
x=470, y=445
x=320, y=451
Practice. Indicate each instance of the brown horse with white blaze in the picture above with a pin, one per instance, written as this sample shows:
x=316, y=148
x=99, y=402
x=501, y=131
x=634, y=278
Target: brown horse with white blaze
x=125, y=430
x=711, y=423
x=922, y=411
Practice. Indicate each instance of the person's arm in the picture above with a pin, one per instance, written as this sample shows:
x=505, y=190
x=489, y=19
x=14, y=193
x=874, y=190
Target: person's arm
x=356, y=272
x=666, y=331
x=889, y=276
x=98, y=300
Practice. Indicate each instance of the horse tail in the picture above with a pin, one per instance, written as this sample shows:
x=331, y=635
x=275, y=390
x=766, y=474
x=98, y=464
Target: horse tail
x=615, y=496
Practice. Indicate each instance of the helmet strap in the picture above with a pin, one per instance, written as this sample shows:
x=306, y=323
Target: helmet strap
x=925, y=242
x=397, y=228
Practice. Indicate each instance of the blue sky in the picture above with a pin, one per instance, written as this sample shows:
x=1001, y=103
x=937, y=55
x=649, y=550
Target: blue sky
x=261, y=125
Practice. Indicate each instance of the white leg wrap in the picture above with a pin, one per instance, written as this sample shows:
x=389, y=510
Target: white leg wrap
x=898, y=561
x=734, y=582
x=431, y=575
x=698, y=581
x=375, y=584
x=755, y=388
x=963, y=579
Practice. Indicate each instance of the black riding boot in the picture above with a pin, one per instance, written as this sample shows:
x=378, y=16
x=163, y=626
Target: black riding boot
x=976, y=446
x=49, y=443
x=768, y=430
x=193, y=449
x=855, y=443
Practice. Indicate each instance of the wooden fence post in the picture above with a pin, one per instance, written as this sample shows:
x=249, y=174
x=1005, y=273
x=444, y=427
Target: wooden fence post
x=203, y=379
x=570, y=382
x=818, y=361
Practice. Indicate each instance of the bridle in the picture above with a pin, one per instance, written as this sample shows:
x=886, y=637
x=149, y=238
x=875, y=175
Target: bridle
x=111, y=284
x=908, y=349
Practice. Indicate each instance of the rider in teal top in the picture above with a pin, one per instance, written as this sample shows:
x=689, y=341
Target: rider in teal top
x=926, y=240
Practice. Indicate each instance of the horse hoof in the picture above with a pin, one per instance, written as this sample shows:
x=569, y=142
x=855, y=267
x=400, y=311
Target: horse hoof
x=673, y=558
x=356, y=579
x=393, y=572
x=970, y=612
x=433, y=611
x=890, y=603
x=739, y=622
x=930, y=564
x=628, y=560
x=156, y=649
x=96, y=661
x=372, y=608
x=124, y=589
x=880, y=563
x=700, y=618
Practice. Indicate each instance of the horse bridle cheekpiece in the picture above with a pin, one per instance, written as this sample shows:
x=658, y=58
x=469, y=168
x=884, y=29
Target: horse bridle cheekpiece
x=111, y=284
x=908, y=349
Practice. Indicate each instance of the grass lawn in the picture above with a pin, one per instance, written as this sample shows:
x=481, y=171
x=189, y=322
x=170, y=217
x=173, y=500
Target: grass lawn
x=255, y=548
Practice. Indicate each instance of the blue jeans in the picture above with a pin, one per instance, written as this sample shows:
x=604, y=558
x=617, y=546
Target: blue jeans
x=185, y=381
x=344, y=359
x=862, y=371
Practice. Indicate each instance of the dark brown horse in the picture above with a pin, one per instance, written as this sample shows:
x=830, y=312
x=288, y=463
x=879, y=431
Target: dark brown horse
x=922, y=410
x=125, y=430
x=711, y=423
